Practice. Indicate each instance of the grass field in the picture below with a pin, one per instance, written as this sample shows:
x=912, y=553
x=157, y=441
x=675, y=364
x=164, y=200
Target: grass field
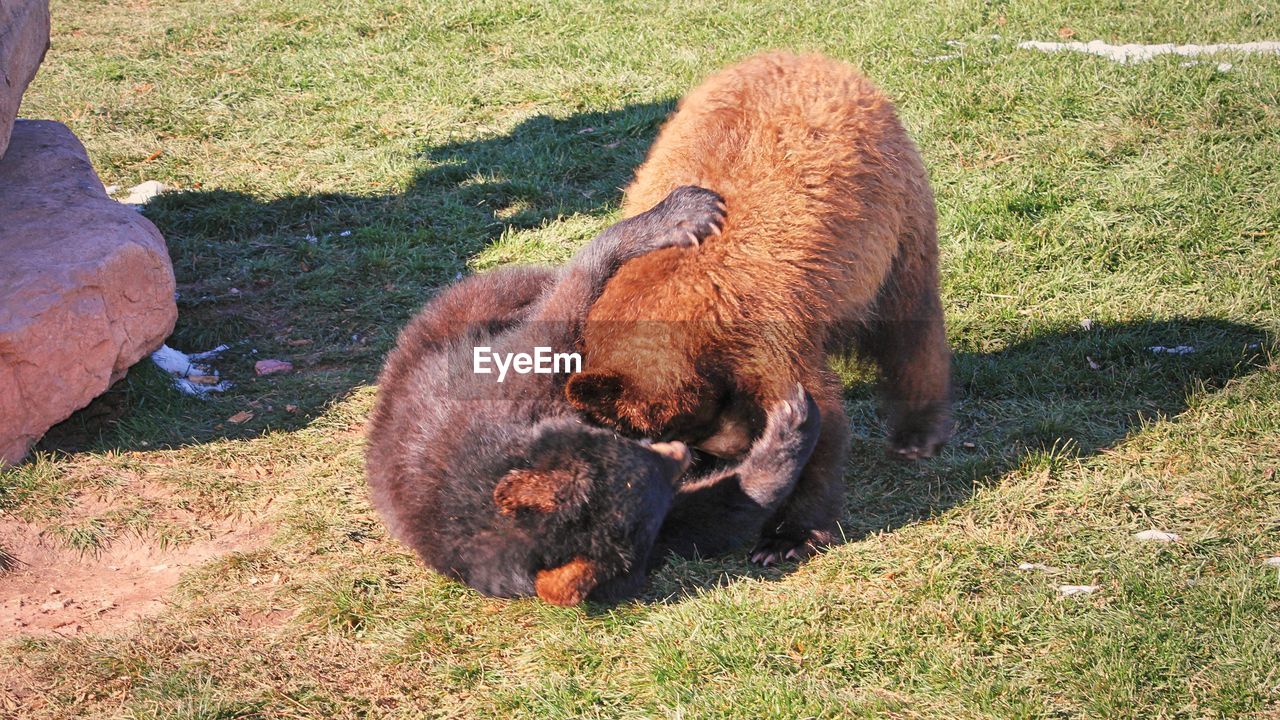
x=339, y=161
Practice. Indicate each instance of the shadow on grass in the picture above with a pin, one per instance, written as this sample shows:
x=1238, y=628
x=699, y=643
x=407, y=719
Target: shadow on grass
x=326, y=281
x=1037, y=396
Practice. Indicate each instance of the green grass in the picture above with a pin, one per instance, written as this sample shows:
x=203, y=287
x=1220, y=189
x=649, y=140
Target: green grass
x=448, y=137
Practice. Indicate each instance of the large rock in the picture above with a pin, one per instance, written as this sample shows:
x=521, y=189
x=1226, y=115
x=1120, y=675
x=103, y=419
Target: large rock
x=86, y=286
x=24, y=37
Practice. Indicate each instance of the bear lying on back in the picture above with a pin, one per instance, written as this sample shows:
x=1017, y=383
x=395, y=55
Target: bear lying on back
x=500, y=484
x=830, y=243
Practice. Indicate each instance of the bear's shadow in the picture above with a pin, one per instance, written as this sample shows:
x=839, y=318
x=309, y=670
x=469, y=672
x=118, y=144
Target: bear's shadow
x=1035, y=394
x=1071, y=392
x=326, y=280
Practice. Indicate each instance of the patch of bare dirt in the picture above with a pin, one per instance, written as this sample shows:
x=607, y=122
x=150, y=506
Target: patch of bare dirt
x=48, y=588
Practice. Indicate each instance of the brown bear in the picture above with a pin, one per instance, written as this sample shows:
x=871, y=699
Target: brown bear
x=499, y=484
x=830, y=244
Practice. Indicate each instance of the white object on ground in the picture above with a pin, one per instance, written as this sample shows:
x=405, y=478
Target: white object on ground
x=1272, y=562
x=1073, y=590
x=1136, y=53
x=1157, y=536
x=189, y=376
x=1177, y=350
x=1037, y=567
x=142, y=193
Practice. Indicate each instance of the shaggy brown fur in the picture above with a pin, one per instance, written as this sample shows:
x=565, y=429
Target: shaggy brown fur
x=493, y=482
x=501, y=485
x=830, y=243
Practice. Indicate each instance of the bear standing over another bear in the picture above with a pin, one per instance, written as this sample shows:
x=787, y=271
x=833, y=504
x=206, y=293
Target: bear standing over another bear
x=830, y=244
x=500, y=485
x=783, y=215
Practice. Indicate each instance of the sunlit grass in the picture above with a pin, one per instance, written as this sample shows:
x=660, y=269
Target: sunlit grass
x=339, y=162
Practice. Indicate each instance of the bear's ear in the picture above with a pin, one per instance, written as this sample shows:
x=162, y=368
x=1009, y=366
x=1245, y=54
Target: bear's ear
x=595, y=392
x=568, y=584
x=541, y=490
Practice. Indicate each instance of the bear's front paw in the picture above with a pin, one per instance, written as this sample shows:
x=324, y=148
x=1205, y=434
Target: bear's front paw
x=791, y=431
x=774, y=549
x=690, y=215
x=920, y=437
x=797, y=413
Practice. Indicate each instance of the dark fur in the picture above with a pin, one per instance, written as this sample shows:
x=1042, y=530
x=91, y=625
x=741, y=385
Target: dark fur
x=501, y=485
x=718, y=511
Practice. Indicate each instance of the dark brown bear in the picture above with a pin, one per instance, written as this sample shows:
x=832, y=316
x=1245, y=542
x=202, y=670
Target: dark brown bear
x=830, y=243
x=500, y=485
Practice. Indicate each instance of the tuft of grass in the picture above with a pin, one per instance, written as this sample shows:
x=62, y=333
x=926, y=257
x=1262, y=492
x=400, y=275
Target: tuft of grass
x=86, y=538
